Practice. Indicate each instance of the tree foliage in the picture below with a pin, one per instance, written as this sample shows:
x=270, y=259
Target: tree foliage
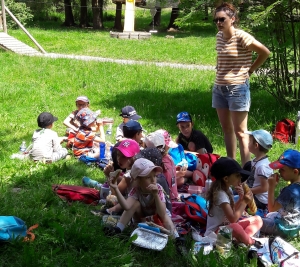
x=278, y=24
x=20, y=11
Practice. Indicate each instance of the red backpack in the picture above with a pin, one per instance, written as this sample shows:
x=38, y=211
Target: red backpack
x=77, y=193
x=284, y=131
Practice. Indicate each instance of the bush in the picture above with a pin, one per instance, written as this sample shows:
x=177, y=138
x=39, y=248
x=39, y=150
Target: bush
x=20, y=11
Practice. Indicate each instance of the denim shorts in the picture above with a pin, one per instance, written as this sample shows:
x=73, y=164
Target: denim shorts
x=232, y=97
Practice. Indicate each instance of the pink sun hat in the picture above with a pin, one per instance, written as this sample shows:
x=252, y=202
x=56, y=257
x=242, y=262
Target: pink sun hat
x=168, y=139
x=128, y=148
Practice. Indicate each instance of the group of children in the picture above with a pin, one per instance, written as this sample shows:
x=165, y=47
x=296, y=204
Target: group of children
x=149, y=176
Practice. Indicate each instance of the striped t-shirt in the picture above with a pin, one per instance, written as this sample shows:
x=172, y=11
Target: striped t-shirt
x=234, y=58
x=83, y=142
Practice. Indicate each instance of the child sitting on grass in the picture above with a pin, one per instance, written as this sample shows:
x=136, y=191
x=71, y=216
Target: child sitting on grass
x=221, y=208
x=158, y=140
x=260, y=141
x=86, y=142
x=72, y=123
x=128, y=113
x=284, y=219
x=191, y=139
x=145, y=199
x=46, y=143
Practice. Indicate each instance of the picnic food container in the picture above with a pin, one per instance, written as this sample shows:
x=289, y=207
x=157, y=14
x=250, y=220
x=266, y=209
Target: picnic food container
x=195, y=189
x=149, y=239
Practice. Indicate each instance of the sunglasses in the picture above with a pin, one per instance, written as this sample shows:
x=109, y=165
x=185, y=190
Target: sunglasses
x=221, y=20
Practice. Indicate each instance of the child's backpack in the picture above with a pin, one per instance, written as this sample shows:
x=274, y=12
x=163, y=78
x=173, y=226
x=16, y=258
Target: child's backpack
x=71, y=193
x=284, y=131
x=195, y=208
x=276, y=252
x=12, y=228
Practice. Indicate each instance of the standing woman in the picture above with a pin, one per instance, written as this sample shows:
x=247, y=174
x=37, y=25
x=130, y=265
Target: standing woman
x=231, y=94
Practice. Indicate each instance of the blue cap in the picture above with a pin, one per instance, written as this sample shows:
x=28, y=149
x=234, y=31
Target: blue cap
x=133, y=125
x=290, y=158
x=184, y=117
x=262, y=137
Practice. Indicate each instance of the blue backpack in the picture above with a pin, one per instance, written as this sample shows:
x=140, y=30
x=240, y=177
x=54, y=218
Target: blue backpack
x=11, y=228
x=195, y=208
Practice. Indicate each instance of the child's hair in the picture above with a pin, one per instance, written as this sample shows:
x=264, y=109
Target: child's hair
x=212, y=194
x=229, y=9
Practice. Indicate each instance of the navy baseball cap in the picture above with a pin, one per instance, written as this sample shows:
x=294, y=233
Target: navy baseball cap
x=290, y=158
x=133, y=125
x=183, y=117
x=226, y=166
x=45, y=119
x=262, y=137
x=130, y=112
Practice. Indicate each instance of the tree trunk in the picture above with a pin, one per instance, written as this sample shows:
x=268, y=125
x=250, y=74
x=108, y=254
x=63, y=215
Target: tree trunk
x=118, y=18
x=83, y=14
x=69, y=18
x=97, y=14
x=174, y=16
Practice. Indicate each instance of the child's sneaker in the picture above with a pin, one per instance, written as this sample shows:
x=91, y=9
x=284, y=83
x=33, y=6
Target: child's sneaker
x=90, y=183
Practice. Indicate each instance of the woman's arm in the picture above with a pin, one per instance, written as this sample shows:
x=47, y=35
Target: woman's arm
x=262, y=52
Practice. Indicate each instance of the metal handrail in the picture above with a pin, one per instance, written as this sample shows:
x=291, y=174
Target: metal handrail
x=23, y=28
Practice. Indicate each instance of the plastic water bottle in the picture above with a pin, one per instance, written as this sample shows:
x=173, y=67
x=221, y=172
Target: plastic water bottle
x=22, y=149
x=108, y=134
x=208, y=183
x=102, y=150
x=297, y=137
x=108, y=150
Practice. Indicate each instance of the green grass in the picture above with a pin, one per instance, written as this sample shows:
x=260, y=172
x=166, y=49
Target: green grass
x=68, y=235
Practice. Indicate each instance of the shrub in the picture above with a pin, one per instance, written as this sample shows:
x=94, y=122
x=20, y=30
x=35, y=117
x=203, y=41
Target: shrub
x=20, y=11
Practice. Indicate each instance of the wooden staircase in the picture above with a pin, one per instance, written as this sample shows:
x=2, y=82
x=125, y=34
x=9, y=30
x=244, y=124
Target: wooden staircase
x=10, y=43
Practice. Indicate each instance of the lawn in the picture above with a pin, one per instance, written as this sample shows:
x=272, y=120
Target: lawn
x=69, y=235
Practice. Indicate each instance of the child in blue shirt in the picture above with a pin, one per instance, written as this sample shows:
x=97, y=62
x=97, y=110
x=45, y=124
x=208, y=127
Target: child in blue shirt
x=285, y=217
